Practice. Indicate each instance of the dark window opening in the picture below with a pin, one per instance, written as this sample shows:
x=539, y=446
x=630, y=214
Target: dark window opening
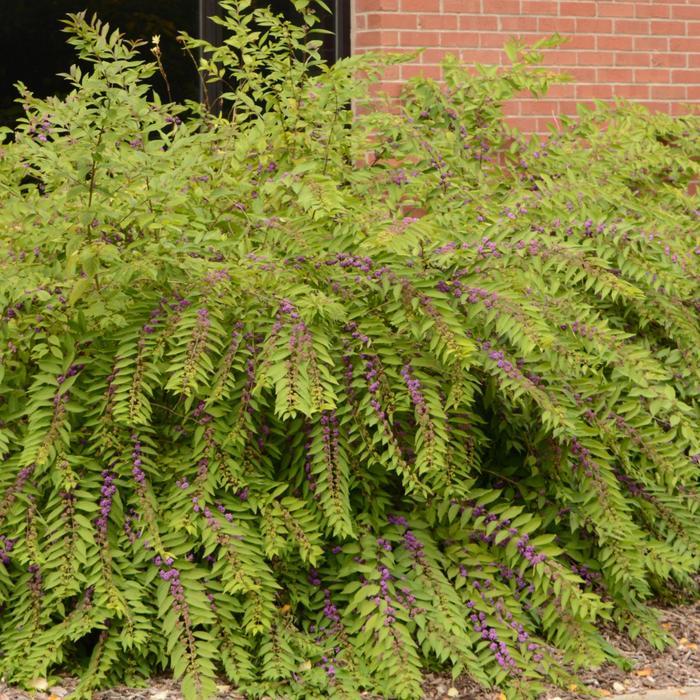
x=336, y=43
x=31, y=37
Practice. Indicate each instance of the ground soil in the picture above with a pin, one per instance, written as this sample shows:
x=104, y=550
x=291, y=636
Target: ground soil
x=677, y=667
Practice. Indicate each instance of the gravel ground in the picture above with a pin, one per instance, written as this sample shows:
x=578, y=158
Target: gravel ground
x=677, y=667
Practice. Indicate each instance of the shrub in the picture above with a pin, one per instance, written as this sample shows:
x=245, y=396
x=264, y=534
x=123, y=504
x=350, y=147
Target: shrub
x=316, y=420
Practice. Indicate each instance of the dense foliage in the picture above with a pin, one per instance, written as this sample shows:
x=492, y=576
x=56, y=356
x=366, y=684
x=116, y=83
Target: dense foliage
x=314, y=399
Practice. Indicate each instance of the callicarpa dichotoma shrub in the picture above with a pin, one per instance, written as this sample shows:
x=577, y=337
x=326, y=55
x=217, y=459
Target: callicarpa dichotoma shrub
x=315, y=397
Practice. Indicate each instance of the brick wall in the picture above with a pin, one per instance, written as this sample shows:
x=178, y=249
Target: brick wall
x=643, y=50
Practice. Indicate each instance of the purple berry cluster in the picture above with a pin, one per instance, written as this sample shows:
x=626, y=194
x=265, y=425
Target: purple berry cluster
x=581, y=329
x=11, y=493
x=634, y=487
x=6, y=546
x=372, y=377
x=357, y=264
x=308, y=457
x=196, y=346
x=35, y=580
x=583, y=459
x=136, y=461
x=107, y=492
x=331, y=626
x=412, y=544
x=330, y=435
x=487, y=249
x=385, y=578
x=499, y=648
x=40, y=130
x=589, y=577
x=526, y=550
x=154, y=318
x=514, y=370
x=129, y=519
x=72, y=371
x=479, y=294
x=414, y=390
x=170, y=574
x=111, y=389
x=521, y=585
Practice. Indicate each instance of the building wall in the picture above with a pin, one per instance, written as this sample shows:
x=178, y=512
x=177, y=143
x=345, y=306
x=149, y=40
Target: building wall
x=643, y=50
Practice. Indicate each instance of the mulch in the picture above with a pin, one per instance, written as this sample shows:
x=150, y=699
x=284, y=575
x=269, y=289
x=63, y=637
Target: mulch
x=678, y=666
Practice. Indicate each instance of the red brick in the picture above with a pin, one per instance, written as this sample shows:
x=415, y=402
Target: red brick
x=680, y=44
x=391, y=20
x=377, y=5
x=527, y=124
x=538, y=107
x=664, y=27
x=501, y=7
x=492, y=57
x=461, y=6
x=391, y=74
x=615, y=75
x=629, y=58
x=615, y=43
x=518, y=24
x=386, y=89
x=686, y=11
x=692, y=28
x=440, y=21
x=597, y=92
x=580, y=41
x=694, y=60
x=595, y=58
x=655, y=106
x=556, y=24
x=615, y=9
x=632, y=26
x=419, y=38
x=668, y=92
x=684, y=76
x=561, y=91
x=651, y=75
x=460, y=40
x=652, y=9
x=433, y=55
x=408, y=71
x=568, y=107
x=582, y=75
x=632, y=92
x=578, y=9
x=669, y=60
x=651, y=43
x=478, y=22
x=420, y=5
x=380, y=39
x=595, y=26
x=678, y=108
x=694, y=92
x=491, y=40
x=512, y=108
x=562, y=58
x=540, y=7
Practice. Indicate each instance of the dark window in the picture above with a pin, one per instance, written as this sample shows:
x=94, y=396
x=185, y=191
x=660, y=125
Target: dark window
x=35, y=49
x=336, y=44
